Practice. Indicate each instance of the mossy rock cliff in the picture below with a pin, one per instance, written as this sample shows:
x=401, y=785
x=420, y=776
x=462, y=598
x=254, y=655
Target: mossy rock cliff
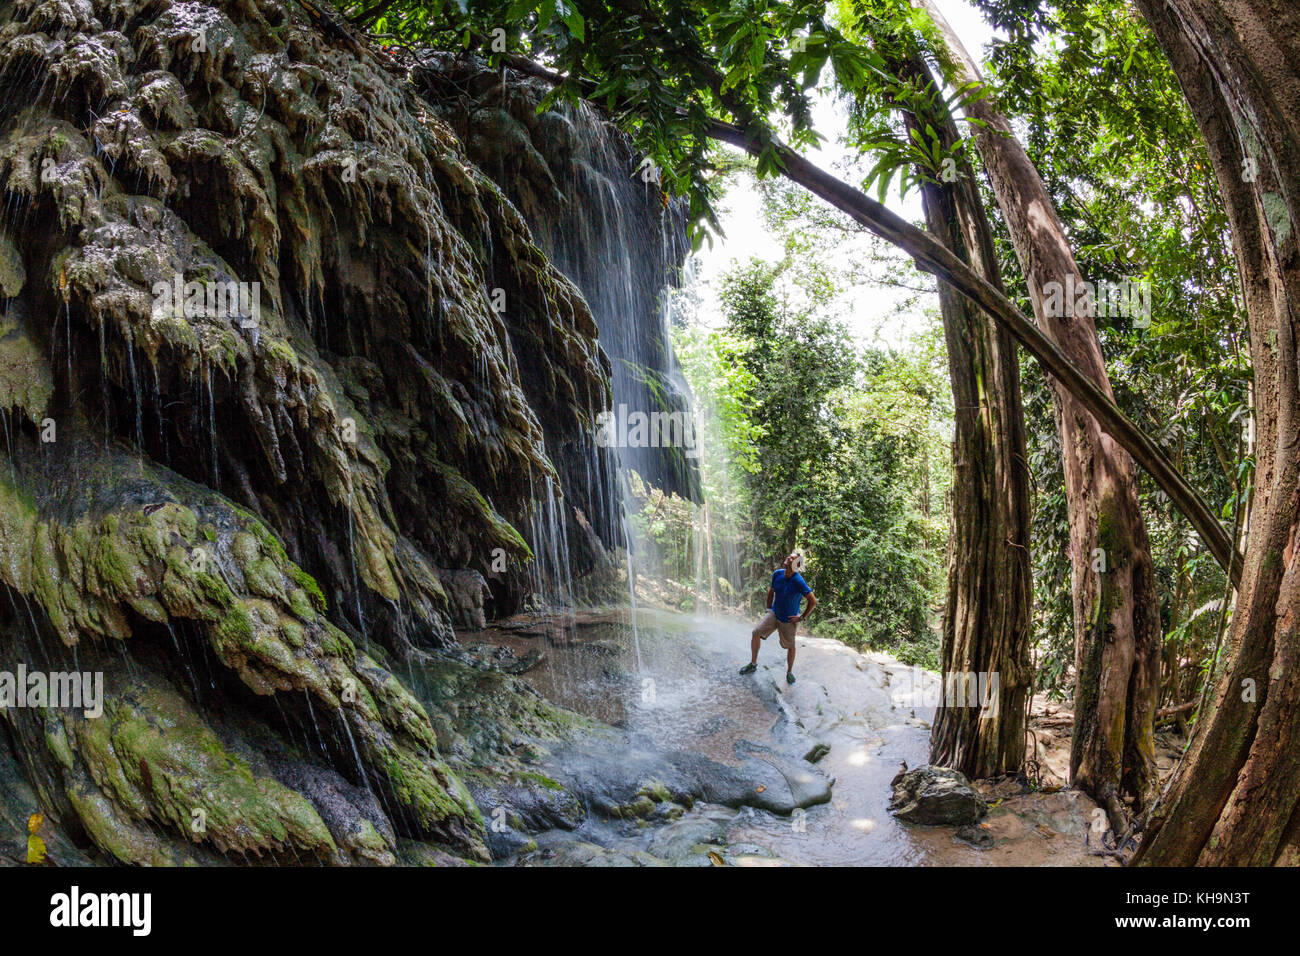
x=216, y=500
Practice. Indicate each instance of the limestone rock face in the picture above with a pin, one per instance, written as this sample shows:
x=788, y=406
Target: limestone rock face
x=465, y=589
x=276, y=361
x=599, y=214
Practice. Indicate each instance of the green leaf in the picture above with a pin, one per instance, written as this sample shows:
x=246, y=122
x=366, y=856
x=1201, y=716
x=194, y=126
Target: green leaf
x=574, y=21
x=545, y=14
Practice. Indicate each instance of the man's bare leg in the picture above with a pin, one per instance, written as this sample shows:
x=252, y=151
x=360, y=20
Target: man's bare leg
x=789, y=660
x=755, y=642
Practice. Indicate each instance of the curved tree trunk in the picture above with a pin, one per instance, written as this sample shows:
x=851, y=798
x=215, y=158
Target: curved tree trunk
x=1236, y=796
x=1116, y=611
x=986, y=621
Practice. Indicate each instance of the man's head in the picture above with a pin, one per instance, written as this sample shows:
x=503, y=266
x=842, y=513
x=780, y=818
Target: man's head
x=793, y=562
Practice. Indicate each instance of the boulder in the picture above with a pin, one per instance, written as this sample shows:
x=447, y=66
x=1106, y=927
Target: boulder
x=936, y=796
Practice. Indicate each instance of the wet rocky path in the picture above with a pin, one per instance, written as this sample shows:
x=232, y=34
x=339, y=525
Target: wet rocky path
x=704, y=766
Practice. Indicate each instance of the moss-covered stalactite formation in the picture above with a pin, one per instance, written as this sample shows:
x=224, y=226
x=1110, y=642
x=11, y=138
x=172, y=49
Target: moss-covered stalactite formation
x=218, y=510
x=598, y=214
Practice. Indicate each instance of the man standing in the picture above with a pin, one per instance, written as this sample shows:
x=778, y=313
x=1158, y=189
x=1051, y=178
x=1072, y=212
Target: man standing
x=787, y=590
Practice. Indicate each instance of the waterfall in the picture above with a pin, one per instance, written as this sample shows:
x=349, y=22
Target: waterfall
x=704, y=566
x=596, y=209
x=623, y=245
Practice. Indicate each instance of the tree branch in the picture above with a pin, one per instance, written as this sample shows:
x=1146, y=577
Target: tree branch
x=932, y=257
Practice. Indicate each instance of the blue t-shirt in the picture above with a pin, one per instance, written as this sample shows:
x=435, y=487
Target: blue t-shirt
x=789, y=594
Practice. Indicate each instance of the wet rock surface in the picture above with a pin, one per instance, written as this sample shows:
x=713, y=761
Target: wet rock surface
x=716, y=769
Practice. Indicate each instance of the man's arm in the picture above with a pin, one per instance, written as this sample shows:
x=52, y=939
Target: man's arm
x=812, y=603
x=771, y=596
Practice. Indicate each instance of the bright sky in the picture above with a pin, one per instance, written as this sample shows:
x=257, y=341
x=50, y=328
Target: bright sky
x=869, y=310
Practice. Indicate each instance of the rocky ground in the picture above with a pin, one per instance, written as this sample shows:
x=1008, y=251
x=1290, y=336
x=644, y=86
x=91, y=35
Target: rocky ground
x=698, y=765
x=618, y=740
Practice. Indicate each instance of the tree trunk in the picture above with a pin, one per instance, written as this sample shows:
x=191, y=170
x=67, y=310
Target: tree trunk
x=1116, y=610
x=1234, y=799
x=708, y=545
x=925, y=480
x=986, y=621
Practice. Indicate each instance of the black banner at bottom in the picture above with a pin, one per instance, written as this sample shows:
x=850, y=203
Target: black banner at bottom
x=359, y=907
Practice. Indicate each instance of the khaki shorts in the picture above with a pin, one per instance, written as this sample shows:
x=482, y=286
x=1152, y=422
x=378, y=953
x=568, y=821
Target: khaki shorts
x=785, y=629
